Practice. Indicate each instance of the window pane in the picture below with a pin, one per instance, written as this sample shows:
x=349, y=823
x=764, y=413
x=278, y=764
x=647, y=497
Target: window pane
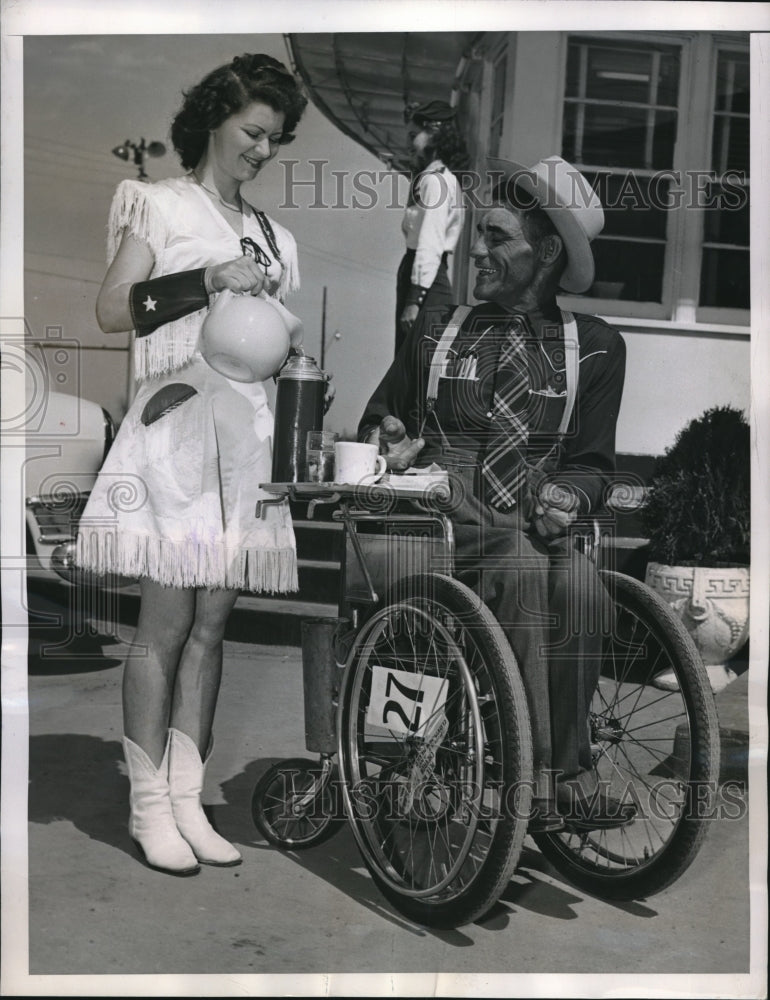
x=614, y=137
x=619, y=72
x=733, y=82
x=632, y=271
x=618, y=137
x=728, y=220
x=663, y=140
x=633, y=206
x=623, y=75
x=730, y=148
x=725, y=278
x=571, y=138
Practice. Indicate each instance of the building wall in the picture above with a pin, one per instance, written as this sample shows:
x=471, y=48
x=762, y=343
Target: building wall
x=673, y=377
x=60, y=297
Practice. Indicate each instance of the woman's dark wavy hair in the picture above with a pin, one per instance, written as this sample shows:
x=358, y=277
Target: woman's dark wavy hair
x=226, y=91
x=449, y=146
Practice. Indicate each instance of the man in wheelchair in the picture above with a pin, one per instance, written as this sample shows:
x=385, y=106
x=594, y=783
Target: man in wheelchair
x=519, y=400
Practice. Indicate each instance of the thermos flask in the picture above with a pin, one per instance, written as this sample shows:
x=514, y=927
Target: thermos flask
x=299, y=408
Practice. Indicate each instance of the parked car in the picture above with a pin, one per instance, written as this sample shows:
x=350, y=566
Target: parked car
x=64, y=454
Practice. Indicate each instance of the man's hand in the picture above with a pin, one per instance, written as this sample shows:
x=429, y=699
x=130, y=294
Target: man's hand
x=554, y=511
x=408, y=317
x=399, y=450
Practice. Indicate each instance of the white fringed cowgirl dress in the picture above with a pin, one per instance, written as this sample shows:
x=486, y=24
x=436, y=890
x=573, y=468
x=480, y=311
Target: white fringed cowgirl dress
x=175, y=499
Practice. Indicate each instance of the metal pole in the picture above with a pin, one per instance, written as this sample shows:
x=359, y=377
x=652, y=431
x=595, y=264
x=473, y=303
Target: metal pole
x=323, y=329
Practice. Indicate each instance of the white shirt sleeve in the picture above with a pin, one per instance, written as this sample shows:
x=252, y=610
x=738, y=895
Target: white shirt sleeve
x=435, y=199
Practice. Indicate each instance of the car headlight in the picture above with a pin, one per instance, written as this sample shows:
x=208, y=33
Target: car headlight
x=63, y=561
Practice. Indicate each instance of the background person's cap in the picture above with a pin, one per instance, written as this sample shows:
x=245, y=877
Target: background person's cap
x=430, y=113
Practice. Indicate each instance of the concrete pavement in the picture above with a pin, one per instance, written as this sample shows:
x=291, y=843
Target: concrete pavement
x=94, y=909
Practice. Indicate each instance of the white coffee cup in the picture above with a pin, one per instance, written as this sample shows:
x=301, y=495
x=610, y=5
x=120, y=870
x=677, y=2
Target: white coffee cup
x=355, y=463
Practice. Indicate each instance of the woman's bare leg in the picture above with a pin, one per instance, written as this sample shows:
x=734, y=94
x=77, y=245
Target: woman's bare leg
x=165, y=619
x=200, y=667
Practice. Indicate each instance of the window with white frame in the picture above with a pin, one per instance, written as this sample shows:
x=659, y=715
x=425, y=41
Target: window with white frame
x=650, y=138
x=724, y=279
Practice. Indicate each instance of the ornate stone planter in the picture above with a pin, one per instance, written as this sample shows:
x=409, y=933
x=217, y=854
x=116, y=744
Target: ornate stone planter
x=713, y=604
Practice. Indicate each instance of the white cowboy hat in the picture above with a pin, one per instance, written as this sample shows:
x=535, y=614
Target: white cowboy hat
x=574, y=208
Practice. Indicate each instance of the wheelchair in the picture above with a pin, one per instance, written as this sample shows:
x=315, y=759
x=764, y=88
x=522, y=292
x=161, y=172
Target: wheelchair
x=415, y=691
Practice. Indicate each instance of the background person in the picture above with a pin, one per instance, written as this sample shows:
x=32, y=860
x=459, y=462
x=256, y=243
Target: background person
x=174, y=503
x=519, y=486
x=433, y=219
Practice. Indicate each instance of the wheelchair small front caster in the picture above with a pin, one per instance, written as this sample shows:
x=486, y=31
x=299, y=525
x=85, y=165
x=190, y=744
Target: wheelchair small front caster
x=291, y=806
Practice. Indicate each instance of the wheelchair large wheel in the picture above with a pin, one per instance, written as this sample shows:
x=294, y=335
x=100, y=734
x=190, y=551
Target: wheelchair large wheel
x=658, y=749
x=435, y=752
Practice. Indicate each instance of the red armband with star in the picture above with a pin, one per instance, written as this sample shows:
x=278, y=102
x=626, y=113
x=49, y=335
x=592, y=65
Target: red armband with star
x=161, y=300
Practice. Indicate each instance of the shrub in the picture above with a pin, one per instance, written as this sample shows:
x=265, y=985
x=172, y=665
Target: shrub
x=697, y=510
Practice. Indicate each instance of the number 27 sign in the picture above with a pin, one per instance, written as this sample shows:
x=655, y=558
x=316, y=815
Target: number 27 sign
x=403, y=703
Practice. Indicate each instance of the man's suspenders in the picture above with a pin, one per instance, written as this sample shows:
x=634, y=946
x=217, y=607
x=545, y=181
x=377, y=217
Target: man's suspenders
x=441, y=353
x=571, y=361
x=572, y=367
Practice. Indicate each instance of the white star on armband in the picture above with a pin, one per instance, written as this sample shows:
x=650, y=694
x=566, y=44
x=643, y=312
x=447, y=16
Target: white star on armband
x=149, y=304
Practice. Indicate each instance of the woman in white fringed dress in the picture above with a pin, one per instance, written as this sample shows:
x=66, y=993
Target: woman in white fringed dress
x=174, y=504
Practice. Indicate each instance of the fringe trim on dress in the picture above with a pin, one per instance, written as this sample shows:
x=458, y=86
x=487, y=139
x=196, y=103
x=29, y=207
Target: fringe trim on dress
x=187, y=563
x=290, y=275
x=132, y=210
x=167, y=348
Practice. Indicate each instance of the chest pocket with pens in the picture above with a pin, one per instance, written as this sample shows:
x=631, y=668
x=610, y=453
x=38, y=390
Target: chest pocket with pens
x=462, y=366
x=460, y=380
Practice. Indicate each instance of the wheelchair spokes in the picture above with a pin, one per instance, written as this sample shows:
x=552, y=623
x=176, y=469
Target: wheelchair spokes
x=426, y=771
x=416, y=816
x=655, y=749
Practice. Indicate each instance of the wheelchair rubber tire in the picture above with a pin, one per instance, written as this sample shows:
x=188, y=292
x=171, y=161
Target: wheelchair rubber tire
x=650, y=853
x=489, y=685
x=269, y=806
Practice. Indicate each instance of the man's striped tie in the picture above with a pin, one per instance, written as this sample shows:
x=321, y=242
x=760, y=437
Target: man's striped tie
x=504, y=464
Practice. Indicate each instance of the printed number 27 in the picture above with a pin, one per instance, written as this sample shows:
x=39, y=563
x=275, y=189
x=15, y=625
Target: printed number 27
x=413, y=694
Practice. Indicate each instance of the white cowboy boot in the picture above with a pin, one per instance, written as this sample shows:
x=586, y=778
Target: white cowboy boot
x=185, y=777
x=151, y=823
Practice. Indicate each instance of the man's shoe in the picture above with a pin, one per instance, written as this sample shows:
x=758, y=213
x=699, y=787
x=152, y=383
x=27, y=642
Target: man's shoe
x=596, y=812
x=544, y=817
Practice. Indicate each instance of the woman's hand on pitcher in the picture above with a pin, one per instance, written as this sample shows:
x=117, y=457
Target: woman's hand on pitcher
x=243, y=274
